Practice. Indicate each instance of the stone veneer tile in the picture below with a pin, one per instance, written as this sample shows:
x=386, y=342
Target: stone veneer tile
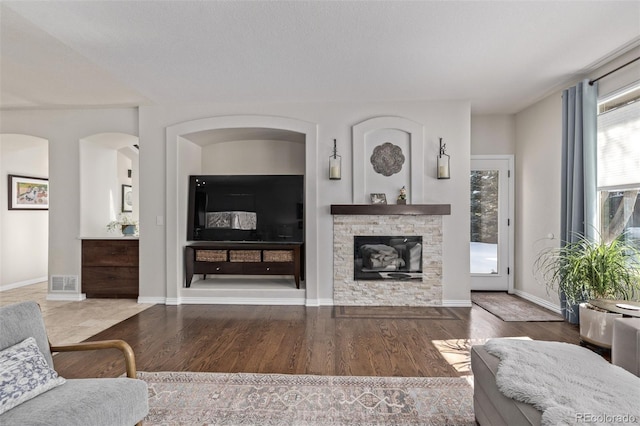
x=347, y=291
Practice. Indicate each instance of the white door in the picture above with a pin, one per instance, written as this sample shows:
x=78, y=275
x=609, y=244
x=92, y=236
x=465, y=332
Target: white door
x=492, y=207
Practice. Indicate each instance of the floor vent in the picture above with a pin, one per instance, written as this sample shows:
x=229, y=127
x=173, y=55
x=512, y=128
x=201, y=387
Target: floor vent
x=64, y=283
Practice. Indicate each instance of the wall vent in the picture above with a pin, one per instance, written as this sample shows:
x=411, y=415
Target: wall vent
x=64, y=283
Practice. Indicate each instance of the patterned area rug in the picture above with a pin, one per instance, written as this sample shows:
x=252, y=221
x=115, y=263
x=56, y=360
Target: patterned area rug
x=508, y=307
x=277, y=399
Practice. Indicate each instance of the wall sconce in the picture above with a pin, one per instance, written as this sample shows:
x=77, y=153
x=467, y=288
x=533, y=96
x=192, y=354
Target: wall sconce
x=443, y=162
x=335, y=164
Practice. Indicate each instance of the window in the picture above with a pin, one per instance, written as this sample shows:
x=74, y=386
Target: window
x=619, y=163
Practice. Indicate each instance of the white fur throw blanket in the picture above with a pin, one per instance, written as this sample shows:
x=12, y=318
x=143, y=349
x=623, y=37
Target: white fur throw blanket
x=571, y=385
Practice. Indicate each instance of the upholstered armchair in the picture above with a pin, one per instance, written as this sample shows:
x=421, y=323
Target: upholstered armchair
x=32, y=393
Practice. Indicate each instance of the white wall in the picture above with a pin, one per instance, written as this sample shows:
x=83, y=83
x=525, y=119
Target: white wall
x=253, y=157
x=99, y=189
x=538, y=134
x=620, y=78
x=64, y=129
x=450, y=120
x=24, y=234
x=538, y=165
x=493, y=134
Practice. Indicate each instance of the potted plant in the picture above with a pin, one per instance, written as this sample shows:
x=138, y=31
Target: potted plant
x=585, y=270
x=124, y=224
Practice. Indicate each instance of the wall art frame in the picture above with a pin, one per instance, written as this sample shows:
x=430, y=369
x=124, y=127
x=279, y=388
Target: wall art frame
x=127, y=199
x=28, y=193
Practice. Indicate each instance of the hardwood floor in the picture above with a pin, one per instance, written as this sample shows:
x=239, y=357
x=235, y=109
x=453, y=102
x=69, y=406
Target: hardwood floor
x=301, y=340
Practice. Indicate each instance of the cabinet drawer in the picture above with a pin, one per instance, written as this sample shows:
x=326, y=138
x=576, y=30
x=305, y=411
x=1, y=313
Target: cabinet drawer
x=268, y=268
x=109, y=253
x=110, y=281
x=217, y=268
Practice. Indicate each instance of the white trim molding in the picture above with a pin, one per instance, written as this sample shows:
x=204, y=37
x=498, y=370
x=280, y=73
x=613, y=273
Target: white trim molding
x=511, y=213
x=152, y=300
x=23, y=283
x=68, y=297
x=463, y=303
x=240, y=301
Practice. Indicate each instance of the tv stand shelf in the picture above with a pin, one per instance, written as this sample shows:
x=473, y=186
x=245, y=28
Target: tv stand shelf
x=240, y=258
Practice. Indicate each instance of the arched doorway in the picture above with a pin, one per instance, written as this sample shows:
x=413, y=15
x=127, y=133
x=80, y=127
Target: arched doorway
x=24, y=234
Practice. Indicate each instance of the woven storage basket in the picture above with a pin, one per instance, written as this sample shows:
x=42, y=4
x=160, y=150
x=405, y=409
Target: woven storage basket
x=277, y=256
x=211, y=255
x=244, y=255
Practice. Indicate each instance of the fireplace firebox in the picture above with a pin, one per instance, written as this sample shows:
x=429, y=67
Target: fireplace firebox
x=387, y=258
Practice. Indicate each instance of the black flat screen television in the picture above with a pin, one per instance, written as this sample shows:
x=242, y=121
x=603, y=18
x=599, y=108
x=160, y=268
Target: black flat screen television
x=267, y=208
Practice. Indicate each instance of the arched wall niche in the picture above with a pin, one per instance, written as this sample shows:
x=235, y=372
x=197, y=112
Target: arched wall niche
x=181, y=147
x=378, y=130
x=245, y=151
x=105, y=161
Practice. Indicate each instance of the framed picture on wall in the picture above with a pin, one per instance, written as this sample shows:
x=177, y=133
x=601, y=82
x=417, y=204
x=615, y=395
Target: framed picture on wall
x=127, y=199
x=28, y=193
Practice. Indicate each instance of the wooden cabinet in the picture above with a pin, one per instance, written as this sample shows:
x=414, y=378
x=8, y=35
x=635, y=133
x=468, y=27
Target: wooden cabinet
x=244, y=259
x=110, y=268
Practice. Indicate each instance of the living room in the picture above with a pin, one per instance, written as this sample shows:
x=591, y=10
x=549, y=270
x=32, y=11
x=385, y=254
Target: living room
x=479, y=110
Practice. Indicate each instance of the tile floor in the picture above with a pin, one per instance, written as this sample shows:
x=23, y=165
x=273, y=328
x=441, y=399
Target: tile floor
x=71, y=322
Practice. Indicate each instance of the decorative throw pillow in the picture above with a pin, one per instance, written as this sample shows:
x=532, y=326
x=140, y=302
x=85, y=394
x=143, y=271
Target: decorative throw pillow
x=24, y=374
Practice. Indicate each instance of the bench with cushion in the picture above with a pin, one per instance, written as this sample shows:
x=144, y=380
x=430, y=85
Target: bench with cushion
x=31, y=393
x=493, y=408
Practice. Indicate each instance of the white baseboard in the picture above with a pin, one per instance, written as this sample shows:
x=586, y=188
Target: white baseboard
x=203, y=300
x=319, y=302
x=462, y=303
x=233, y=301
x=19, y=284
x=538, y=301
x=152, y=300
x=69, y=297
x=239, y=301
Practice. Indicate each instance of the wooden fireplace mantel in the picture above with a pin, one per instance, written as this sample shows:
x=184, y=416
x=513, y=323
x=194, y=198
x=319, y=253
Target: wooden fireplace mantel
x=391, y=209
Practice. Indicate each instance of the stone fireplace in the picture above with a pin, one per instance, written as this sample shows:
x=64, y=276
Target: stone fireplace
x=417, y=223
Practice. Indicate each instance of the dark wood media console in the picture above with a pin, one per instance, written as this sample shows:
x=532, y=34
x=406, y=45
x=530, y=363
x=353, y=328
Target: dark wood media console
x=239, y=258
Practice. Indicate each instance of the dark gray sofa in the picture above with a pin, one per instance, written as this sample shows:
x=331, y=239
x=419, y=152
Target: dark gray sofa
x=96, y=402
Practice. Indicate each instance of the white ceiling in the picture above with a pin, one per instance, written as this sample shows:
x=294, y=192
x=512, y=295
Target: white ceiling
x=501, y=56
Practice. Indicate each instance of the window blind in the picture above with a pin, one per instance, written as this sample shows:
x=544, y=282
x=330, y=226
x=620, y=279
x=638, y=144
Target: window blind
x=619, y=147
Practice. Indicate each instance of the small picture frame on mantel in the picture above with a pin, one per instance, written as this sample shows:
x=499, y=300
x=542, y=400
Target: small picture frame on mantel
x=378, y=199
